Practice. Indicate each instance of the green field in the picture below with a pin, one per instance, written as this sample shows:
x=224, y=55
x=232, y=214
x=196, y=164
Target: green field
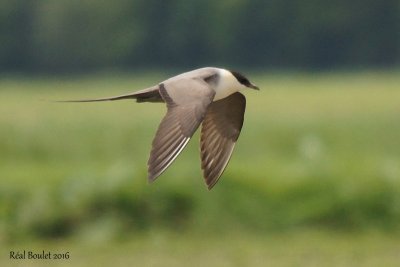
x=314, y=179
x=300, y=248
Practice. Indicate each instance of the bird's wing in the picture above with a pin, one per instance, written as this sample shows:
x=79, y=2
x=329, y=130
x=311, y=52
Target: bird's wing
x=187, y=102
x=220, y=131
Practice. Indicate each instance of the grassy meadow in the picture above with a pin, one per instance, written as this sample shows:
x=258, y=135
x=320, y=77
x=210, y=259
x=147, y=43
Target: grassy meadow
x=314, y=179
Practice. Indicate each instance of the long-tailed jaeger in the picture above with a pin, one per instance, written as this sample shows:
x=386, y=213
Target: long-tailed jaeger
x=209, y=96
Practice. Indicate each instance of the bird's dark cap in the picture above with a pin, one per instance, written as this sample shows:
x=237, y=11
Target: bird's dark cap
x=243, y=80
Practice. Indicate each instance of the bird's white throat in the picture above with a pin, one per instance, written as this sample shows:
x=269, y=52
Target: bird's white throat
x=227, y=85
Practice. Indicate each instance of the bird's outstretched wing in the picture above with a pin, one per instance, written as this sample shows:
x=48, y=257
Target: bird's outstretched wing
x=187, y=102
x=220, y=130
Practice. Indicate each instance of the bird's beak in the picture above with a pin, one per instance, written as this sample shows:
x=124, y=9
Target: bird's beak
x=252, y=86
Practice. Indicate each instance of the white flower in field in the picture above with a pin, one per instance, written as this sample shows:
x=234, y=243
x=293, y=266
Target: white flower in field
x=310, y=147
x=391, y=170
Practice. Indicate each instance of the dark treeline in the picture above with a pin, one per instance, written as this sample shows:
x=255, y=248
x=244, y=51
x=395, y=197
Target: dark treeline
x=82, y=35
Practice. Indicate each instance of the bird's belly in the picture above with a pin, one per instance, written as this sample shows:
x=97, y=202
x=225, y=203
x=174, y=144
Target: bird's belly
x=222, y=93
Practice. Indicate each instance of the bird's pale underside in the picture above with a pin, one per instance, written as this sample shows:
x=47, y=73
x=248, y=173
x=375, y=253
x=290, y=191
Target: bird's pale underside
x=190, y=100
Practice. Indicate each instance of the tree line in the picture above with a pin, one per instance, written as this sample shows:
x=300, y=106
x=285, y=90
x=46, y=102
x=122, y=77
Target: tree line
x=83, y=35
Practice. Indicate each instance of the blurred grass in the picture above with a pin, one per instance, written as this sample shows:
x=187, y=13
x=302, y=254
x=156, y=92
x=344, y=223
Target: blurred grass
x=160, y=248
x=316, y=151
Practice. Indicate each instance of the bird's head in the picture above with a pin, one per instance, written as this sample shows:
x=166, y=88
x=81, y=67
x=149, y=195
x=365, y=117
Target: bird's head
x=243, y=80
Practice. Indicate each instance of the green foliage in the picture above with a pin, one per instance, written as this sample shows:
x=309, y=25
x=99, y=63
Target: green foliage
x=72, y=35
x=315, y=152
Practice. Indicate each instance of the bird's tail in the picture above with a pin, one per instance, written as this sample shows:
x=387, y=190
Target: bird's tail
x=146, y=95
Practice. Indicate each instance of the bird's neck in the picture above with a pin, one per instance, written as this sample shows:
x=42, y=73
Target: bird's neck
x=226, y=86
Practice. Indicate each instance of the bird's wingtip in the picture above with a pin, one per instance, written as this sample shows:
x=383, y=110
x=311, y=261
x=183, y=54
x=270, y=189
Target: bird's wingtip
x=210, y=184
x=151, y=177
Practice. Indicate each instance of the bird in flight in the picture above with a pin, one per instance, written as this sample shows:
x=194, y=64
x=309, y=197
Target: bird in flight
x=208, y=96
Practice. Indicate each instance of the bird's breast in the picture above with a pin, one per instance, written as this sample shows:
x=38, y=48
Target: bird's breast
x=226, y=85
